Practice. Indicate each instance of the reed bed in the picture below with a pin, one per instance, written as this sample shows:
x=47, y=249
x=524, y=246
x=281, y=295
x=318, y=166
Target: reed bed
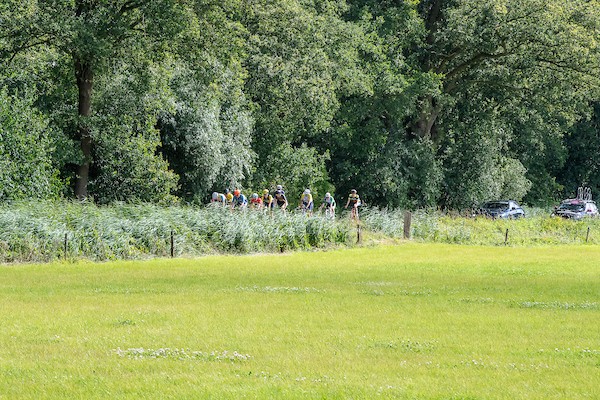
x=46, y=231
x=37, y=231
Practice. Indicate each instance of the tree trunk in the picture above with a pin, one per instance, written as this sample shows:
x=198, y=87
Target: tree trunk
x=424, y=125
x=84, y=75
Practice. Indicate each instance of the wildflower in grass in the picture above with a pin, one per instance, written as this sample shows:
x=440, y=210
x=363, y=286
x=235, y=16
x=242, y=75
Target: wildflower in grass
x=181, y=354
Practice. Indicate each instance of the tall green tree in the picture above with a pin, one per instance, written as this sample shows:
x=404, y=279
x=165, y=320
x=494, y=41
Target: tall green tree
x=301, y=56
x=88, y=34
x=370, y=148
x=207, y=135
x=582, y=166
x=472, y=70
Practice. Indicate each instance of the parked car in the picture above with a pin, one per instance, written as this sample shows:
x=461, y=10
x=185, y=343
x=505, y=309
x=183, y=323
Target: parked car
x=576, y=209
x=501, y=209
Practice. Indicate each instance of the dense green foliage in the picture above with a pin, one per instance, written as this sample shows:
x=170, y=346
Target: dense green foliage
x=414, y=103
x=27, y=168
x=39, y=231
x=416, y=321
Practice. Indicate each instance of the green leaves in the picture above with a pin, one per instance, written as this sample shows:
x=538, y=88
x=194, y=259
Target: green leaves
x=27, y=169
x=414, y=103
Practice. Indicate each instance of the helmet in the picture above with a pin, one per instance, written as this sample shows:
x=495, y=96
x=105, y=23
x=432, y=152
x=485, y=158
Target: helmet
x=279, y=187
x=266, y=191
x=215, y=195
x=327, y=195
x=227, y=190
x=255, y=195
x=353, y=191
x=307, y=191
x=236, y=192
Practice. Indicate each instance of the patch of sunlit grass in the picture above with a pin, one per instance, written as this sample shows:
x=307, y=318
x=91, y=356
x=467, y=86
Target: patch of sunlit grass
x=407, y=321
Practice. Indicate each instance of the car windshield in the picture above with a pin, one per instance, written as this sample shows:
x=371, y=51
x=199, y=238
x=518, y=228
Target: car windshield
x=572, y=207
x=495, y=205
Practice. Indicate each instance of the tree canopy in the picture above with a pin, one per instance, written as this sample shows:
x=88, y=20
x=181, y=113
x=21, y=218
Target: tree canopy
x=413, y=103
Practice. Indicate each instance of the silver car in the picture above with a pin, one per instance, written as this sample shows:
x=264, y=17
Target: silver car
x=501, y=209
x=576, y=209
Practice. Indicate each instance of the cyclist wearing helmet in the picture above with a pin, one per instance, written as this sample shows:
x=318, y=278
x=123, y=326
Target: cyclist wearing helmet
x=306, y=201
x=255, y=201
x=280, y=198
x=354, y=200
x=228, y=196
x=238, y=200
x=329, y=203
x=267, y=199
x=219, y=198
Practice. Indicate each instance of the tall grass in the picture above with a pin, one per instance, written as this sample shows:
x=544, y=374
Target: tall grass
x=434, y=226
x=44, y=231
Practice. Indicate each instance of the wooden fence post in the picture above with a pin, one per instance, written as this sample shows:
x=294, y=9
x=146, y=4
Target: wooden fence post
x=66, y=244
x=407, y=223
x=172, y=244
x=506, y=237
x=587, y=235
x=358, y=234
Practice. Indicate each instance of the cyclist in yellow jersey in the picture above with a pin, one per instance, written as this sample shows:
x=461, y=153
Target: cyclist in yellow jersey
x=354, y=200
x=228, y=196
x=267, y=199
x=306, y=202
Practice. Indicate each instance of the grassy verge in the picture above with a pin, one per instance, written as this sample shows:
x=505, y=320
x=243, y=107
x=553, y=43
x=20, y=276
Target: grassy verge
x=432, y=226
x=45, y=231
x=42, y=231
x=412, y=321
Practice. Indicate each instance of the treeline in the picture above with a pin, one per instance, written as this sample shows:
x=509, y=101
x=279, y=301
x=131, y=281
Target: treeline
x=414, y=103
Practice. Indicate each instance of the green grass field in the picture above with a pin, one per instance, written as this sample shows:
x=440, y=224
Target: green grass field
x=413, y=321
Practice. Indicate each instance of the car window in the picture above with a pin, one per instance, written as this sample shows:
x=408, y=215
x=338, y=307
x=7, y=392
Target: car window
x=495, y=205
x=571, y=207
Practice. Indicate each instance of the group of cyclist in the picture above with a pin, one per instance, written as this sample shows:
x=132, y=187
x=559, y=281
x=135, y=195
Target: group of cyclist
x=278, y=199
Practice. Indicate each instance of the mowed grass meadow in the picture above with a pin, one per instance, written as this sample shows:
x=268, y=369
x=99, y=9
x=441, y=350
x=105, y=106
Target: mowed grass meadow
x=411, y=321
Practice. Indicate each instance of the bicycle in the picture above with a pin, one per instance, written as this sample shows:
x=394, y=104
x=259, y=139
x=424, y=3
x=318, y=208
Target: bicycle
x=306, y=209
x=354, y=213
x=329, y=213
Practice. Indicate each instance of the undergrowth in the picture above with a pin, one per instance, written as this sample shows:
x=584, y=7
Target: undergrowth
x=40, y=231
x=36, y=231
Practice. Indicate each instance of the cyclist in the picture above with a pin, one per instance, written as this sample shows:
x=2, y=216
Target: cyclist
x=329, y=204
x=219, y=198
x=267, y=199
x=280, y=198
x=354, y=200
x=255, y=201
x=238, y=200
x=306, y=202
x=228, y=196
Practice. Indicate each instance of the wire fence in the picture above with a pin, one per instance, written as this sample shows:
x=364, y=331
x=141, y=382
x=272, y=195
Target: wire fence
x=41, y=232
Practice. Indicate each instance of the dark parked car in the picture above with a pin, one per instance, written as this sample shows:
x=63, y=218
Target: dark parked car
x=576, y=209
x=501, y=209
